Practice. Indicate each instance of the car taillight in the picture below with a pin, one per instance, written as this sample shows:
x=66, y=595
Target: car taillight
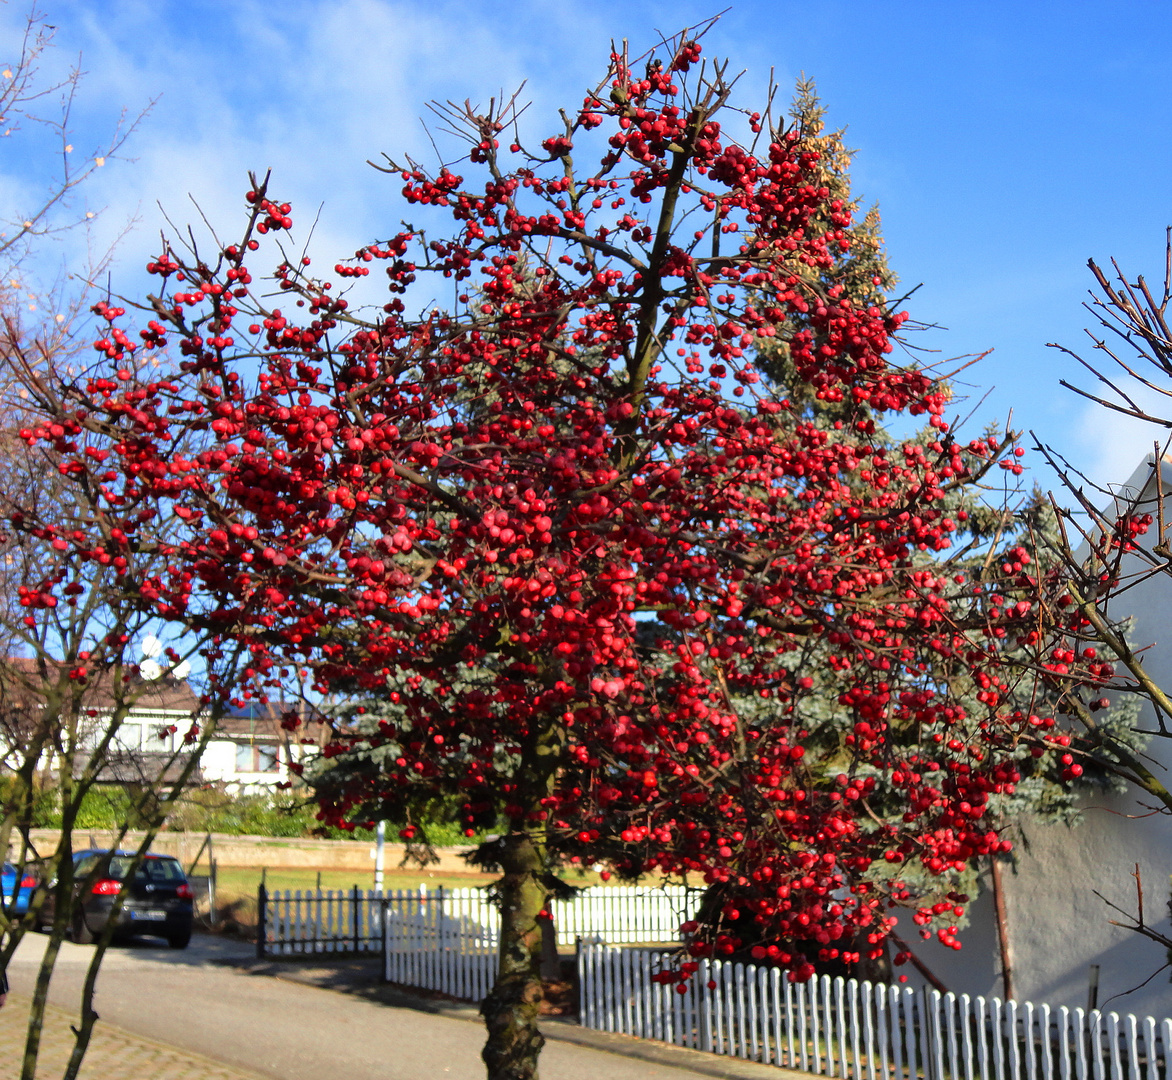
x=28, y=882
x=184, y=892
x=106, y=887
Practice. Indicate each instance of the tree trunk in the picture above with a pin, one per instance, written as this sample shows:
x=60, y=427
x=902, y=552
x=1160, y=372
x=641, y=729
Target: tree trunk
x=1002, y=928
x=36, y=1022
x=511, y=1009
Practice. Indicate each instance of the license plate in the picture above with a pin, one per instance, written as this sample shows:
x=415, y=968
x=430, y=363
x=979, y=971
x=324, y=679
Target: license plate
x=152, y=915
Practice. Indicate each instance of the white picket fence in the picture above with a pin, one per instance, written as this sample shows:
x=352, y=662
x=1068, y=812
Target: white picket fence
x=448, y=940
x=349, y=921
x=625, y=914
x=861, y=1031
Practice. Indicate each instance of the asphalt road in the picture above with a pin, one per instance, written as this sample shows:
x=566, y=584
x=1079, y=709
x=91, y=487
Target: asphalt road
x=194, y=1001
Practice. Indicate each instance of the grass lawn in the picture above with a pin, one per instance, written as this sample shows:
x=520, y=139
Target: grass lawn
x=245, y=879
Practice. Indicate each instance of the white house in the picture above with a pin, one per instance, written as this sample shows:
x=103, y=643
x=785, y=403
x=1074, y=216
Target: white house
x=1058, y=926
x=248, y=752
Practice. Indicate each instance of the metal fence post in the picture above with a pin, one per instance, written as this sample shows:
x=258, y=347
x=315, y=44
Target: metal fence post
x=383, y=907
x=211, y=882
x=579, y=1003
x=357, y=923
x=262, y=900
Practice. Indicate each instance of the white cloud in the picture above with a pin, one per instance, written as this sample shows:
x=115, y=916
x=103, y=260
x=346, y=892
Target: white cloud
x=1110, y=444
x=312, y=95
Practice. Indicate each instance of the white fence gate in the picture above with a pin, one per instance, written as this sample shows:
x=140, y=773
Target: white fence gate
x=447, y=940
x=327, y=921
x=862, y=1031
x=625, y=914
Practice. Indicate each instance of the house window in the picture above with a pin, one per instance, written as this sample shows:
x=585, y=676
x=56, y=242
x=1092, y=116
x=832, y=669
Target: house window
x=148, y=736
x=253, y=758
x=129, y=736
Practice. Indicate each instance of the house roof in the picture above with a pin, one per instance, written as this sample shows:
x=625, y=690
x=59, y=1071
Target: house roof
x=253, y=722
x=258, y=722
x=1141, y=489
x=20, y=675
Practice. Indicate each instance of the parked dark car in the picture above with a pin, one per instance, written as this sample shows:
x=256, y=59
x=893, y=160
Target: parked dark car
x=158, y=900
x=16, y=899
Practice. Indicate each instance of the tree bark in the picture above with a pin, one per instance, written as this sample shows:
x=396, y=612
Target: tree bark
x=1002, y=928
x=512, y=1007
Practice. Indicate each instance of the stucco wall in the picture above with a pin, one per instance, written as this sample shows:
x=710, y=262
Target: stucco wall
x=1058, y=926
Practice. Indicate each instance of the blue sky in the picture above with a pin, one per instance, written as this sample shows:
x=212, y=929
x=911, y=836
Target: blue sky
x=1005, y=143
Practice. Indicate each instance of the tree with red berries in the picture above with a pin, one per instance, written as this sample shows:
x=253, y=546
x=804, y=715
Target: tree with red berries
x=603, y=564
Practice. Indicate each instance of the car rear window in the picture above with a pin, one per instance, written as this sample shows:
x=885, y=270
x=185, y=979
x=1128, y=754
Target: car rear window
x=152, y=869
x=85, y=865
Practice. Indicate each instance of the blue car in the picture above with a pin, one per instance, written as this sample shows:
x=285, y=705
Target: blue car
x=16, y=900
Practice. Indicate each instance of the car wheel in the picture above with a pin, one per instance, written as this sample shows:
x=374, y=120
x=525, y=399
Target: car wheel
x=79, y=932
x=180, y=939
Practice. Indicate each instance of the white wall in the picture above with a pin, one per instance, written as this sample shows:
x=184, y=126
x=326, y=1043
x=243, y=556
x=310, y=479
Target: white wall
x=218, y=765
x=1058, y=926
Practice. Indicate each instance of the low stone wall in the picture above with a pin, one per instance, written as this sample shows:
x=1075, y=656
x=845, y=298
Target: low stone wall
x=269, y=851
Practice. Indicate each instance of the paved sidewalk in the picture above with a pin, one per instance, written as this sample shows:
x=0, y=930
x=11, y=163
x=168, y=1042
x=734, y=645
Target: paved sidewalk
x=112, y=1052
x=360, y=976
x=215, y=1012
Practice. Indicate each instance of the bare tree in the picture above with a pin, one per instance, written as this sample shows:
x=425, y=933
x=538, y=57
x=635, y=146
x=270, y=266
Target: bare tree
x=72, y=678
x=1114, y=544
x=29, y=102
x=70, y=672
